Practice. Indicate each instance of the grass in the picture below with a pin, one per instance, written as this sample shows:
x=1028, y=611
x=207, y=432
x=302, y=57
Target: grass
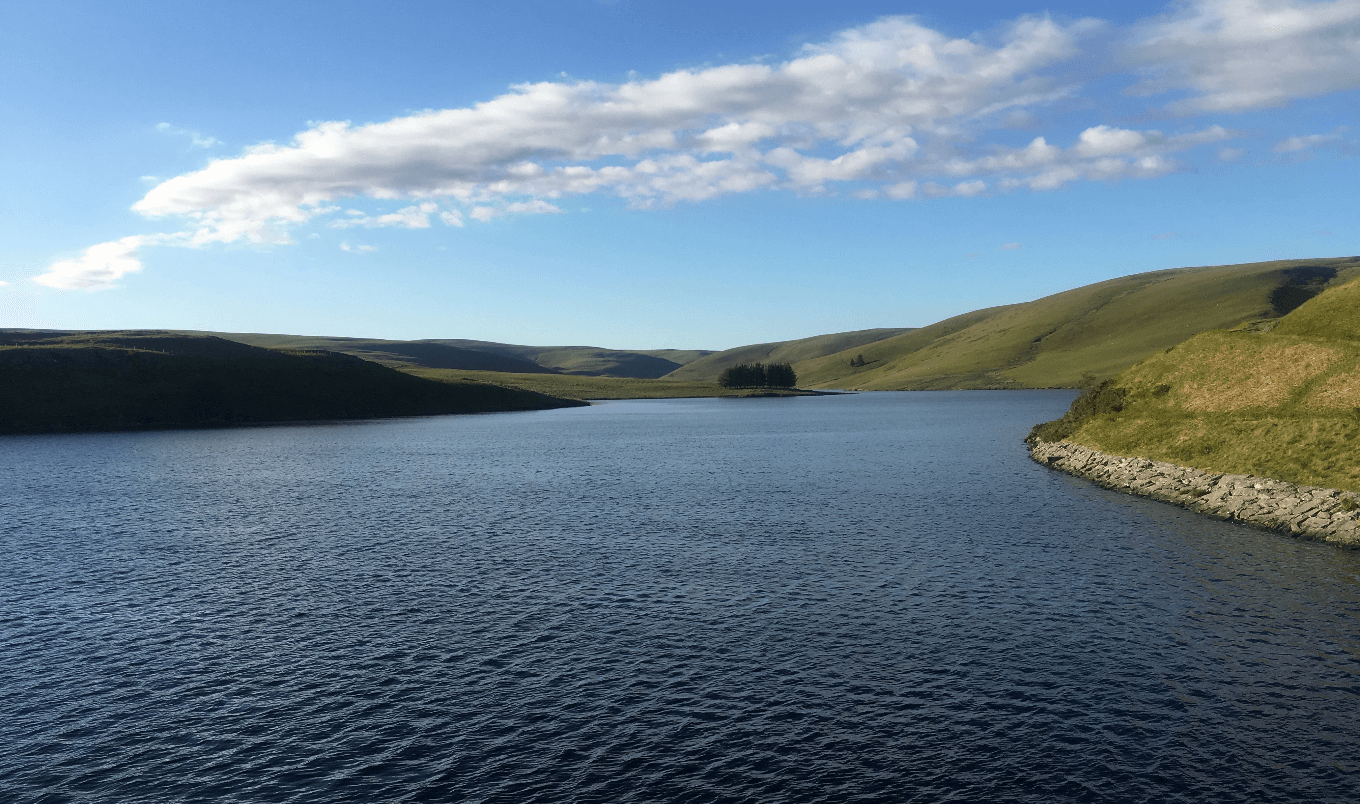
x=1085, y=334
x=709, y=367
x=1283, y=403
x=483, y=355
x=585, y=387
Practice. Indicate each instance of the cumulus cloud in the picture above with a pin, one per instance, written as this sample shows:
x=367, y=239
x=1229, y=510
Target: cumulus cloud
x=1236, y=55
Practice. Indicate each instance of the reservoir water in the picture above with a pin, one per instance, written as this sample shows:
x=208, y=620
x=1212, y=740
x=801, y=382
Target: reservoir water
x=873, y=597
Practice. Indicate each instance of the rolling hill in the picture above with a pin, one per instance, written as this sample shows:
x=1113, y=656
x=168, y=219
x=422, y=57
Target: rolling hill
x=82, y=381
x=1072, y=338
x=708, y=367
x=473, y=355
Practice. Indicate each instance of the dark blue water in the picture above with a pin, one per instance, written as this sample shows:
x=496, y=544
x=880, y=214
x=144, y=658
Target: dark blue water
x=859, y=598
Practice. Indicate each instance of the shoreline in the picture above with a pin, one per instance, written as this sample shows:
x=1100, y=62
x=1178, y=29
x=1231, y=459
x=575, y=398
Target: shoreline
x=1313, y=512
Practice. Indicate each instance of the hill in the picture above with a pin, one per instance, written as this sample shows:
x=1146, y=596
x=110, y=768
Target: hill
x=708, y=367
x=452, y=353
x=64, y=382
x=1067, y=339
x=1280, y=402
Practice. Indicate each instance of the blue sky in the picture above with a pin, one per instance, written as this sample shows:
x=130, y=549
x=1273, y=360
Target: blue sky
x=645, y=174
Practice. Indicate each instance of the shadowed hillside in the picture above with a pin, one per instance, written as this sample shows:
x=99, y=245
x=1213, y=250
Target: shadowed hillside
x=1281, y=403
x=709, y=367
x=398, y=354
x=63, y=382
x=1069, y=338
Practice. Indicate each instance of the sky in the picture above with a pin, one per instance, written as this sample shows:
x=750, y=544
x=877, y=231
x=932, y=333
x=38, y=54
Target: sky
x=642, y=175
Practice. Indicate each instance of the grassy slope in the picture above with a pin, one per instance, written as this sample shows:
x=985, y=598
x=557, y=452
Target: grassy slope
x=1064, y=339
x=484, y=355
x=118, y=381
x=709, y=367
x=1283, y=403
x=576, y=386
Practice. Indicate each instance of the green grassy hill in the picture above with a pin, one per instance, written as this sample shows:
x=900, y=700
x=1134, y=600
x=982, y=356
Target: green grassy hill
x=707, y=368
x=1066, y=339
x=1281, y=402
x=63, y=382
x=484, y=355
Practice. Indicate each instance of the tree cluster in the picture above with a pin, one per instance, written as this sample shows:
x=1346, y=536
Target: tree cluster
x=857, y=361
x=758, y=375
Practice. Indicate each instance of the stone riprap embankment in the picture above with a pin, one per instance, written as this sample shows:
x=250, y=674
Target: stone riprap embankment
x=1319, y=513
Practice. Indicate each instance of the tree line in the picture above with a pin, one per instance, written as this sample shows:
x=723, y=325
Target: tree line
x=758, y=375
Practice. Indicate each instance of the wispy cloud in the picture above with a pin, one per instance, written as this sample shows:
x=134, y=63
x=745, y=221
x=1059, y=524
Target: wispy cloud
x=195, y=139
x=1012, y=246
x=345, y=246
x=1306, y=142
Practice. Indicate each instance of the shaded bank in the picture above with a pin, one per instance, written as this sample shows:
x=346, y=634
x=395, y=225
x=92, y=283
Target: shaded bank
x=136, y=381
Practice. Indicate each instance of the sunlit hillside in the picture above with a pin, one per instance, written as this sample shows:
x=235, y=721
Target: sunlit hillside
x=1282, y=403
x=1089, y=333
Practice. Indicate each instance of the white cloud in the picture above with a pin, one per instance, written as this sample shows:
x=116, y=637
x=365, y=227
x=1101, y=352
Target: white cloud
x=413, y=217
x=1105, y=141
x=3, y=283
x=891, y=109
x=1101, y=153
x=533, y=206
x=345, y=246
x=1231, y=154
x=1306, y=142
x=859, y=96
x=1012, y=246
x=1235, y=55
x=98, y=268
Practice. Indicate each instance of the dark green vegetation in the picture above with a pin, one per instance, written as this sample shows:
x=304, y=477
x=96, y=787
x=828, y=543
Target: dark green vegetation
x=1278, y=401
x=758, y=375
x=64, y=382
x=1069, y=339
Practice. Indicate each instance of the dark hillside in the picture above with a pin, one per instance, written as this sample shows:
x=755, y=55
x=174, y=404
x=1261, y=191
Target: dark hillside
x=68, y=382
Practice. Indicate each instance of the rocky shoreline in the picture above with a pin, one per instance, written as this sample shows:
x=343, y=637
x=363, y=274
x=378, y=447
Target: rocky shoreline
x=1308, y=511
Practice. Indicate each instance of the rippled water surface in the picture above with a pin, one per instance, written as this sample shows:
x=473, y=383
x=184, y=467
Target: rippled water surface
x=860, y=598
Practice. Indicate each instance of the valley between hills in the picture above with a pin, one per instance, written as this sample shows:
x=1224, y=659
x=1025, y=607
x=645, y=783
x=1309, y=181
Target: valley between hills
x=58, y=381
